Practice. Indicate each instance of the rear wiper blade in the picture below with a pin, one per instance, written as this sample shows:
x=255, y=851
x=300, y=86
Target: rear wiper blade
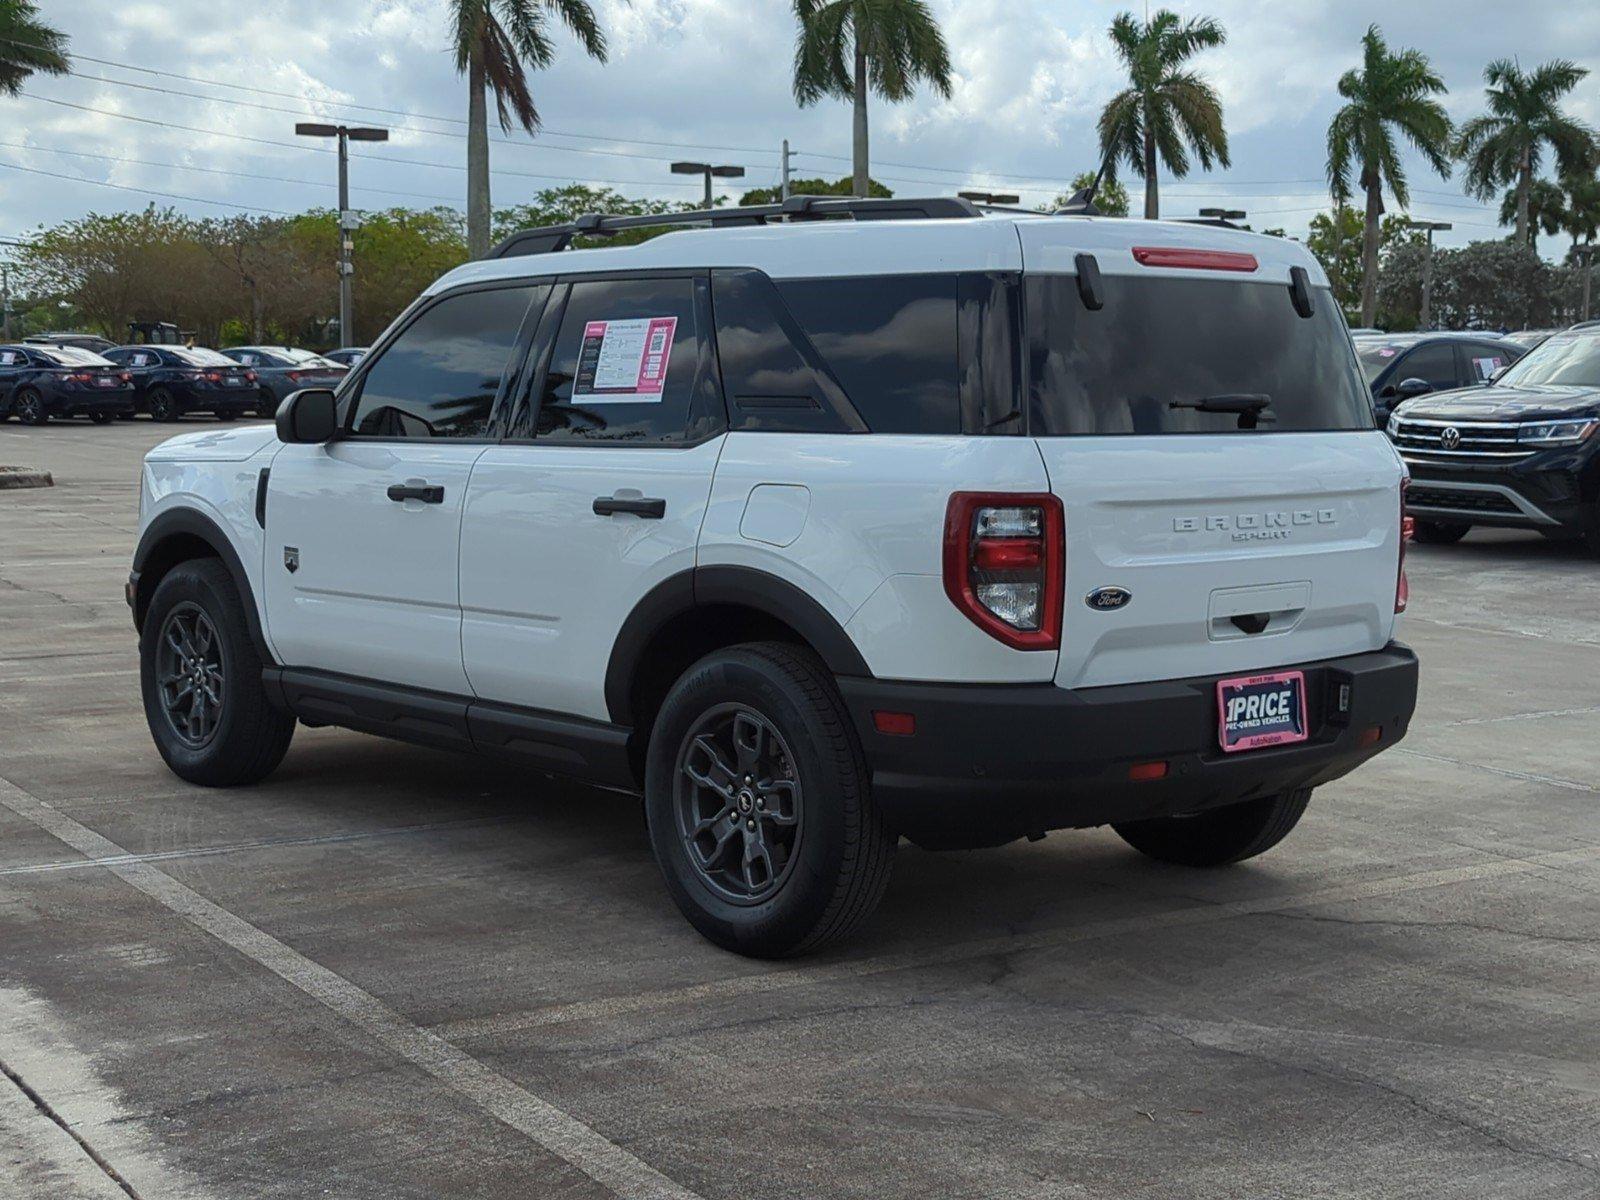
x=1231, y=402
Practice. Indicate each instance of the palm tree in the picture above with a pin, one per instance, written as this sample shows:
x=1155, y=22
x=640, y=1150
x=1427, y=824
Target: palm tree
x=1147, y=124
x=27, y=46
x=1581, y=221
x=493, y=40
x=847, y=47
x=1391, y=90
x=1506, y=144
x=1547, y=209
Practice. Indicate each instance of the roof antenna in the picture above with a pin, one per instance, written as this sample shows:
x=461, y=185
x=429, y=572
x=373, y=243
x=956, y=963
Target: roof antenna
x=1081, y=202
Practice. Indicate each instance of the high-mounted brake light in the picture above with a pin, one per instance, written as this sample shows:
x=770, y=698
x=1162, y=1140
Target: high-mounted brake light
x=1202, y=260
x=1005, y=565
x=1408, y=527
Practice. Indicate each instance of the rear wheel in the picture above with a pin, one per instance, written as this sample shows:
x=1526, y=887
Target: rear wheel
x=29, y=407
x=1219, y=836
x=163, y=405
x=201, y=680
x=758, y=803
x=1439, y=533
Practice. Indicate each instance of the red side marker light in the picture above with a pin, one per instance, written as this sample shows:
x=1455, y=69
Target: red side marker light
x=1202, y=260
x=894, y=724
x=1144, y=772
x=1370, y=736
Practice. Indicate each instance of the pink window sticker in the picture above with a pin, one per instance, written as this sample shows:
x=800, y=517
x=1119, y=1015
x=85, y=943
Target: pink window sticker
x=626, y=360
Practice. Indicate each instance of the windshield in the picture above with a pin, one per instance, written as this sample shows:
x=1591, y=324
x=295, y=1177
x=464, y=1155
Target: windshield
x=1184, y=355
x=1375, y=356
x=201, y=358
x=1569, y=359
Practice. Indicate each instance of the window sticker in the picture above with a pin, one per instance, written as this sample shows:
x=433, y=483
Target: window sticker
x=1487, y=366
x=1387, y=352
x=625, y=361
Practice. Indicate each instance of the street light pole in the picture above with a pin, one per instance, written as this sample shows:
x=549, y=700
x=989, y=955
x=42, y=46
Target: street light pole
x=1426, y=316
x=708, y=170
x=1585, y=257
x=349, y=221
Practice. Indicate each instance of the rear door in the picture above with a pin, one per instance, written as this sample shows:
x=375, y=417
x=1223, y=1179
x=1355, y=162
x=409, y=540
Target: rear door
x=12, y=363
x=598, y=496
x=1263, y=534
x=363, y=534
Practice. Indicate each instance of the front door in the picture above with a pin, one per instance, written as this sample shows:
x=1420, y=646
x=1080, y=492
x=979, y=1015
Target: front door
x=600, y=496
x=363, y=534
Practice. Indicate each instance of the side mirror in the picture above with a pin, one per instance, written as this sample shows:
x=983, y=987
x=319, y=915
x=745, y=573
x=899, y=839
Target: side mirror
x=1414, y=387
x=308, y=417
x=1498, y=371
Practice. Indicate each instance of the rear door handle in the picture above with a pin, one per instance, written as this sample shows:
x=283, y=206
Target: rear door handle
x=643, y=506
x=426, y=492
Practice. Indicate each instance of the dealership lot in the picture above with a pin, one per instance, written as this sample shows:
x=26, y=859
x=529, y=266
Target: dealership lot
x=389, y=972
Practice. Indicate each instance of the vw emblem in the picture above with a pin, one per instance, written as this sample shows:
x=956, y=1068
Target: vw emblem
x=1108, y=597
x=1450, y=439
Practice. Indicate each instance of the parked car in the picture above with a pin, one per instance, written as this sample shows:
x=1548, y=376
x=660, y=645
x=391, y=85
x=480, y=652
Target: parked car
x=1531, y=339
x=1400, y=366
x=1364, y=330
x=282, y=369
x=793, y=548
x=349, y=356
x=1522, y=452
x=40, y=382
x=81, y=341
x=174, y=380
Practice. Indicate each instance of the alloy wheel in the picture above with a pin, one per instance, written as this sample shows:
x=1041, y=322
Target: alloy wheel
x=189, y=672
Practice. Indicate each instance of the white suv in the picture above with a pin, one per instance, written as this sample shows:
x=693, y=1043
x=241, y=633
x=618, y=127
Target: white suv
x=827, y=524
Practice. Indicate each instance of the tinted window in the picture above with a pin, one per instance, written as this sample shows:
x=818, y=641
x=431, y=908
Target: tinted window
x=1435, y=362
x=1571, y=359
x=438, y=379
x=626, y=363
x=891, y=341
x=1484, y=359
x=1159, y=347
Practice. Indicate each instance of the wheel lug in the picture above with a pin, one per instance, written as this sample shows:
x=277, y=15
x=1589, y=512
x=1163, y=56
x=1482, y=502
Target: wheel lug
x=760, y=803
x=750, y=825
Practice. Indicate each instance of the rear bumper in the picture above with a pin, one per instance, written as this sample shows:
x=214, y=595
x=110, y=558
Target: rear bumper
x=217, y=400
x=72, y=404
x=991, y=763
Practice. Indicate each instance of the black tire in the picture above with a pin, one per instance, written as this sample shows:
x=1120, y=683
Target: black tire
x=1439, y=533
x=28, y=406
x=266, y=403
x=839, y=851
x=1591, y=535
x=101, y=418
x=163, y=405
x=1219, y=836
x=128, y=416
x=248, y=737
x=225, y=416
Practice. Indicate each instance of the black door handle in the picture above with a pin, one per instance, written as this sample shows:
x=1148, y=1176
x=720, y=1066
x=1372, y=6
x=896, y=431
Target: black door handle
x=605, y=506
x=427, y=493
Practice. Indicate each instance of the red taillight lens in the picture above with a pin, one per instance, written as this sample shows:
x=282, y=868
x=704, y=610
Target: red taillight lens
x=1004, y=565
x=1204, y=260
x=1408, y=524
x=213, y=376
x=249, y=376
x=297, y=376
x=126, y=377
x=79, y=378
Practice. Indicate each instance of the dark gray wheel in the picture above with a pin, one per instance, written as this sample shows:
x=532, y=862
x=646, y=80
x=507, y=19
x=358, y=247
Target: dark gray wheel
x=29, y=407
x=163, y=405
x=759, y=805
x=1218, y=836
x=200, y=676
x=266, y=403
x=1439, y=533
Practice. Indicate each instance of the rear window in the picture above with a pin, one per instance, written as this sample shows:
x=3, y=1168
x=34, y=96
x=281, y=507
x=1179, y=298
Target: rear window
x=71, y=356
x=1161, y=351
x=202, y=358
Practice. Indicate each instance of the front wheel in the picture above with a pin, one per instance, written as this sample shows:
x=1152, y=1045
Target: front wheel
x=1218, y=836
x=29, y=408
x=759, y=806
x=1439, y=533
x=200, y=677
x=266, y=404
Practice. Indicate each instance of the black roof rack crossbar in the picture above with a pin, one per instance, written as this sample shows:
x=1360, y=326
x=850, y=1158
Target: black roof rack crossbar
x=547, y=239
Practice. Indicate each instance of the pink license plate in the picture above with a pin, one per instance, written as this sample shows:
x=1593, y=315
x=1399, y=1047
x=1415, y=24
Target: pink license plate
x=1261, y=710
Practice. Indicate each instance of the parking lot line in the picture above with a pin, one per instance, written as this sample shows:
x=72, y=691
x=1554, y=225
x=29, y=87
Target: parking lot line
x=1141, y=925
x=558, y=1132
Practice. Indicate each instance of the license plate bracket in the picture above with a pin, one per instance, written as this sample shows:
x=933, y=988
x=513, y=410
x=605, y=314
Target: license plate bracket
x=1268, y=709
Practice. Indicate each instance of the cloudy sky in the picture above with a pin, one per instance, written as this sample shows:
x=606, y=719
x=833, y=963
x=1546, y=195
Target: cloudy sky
x=705, y=79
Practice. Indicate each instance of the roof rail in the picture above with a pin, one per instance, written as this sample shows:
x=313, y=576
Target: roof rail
x=548, y=239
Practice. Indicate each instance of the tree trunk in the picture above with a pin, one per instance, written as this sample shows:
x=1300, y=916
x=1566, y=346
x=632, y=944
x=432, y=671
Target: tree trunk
x=258, y=313
x=1369, y=254
x=1524, y=189
x=477, y=158
x=860, y=150
x=1152, y=198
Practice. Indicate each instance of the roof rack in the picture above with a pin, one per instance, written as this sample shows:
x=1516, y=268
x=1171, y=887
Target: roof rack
x=548, y=239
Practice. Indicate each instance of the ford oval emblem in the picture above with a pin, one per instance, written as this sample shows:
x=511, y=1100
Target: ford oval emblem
x=1108, y=597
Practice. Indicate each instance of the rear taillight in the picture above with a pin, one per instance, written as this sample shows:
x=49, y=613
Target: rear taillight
x=249, y=376
x=297, y=376
x=1004, y=565
x=126, y=377
x=1408, y=525
x=79, y=377
x=213, y=376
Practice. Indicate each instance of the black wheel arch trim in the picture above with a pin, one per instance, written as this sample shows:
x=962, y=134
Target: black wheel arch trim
x=187, y=522
x=745, y=587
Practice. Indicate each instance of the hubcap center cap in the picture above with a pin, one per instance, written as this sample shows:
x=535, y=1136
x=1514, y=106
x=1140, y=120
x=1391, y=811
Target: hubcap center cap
x=746, y=800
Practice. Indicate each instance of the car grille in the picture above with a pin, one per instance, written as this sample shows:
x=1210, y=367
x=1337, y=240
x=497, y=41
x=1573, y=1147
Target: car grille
x=1483, y=440
x=1484, y=502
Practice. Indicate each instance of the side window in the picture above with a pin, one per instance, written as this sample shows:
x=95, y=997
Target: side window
x=891, y=341
x=626, y=364
x=439, y=378
x=8, y=358
x=1483, y=360
x=1435, y=363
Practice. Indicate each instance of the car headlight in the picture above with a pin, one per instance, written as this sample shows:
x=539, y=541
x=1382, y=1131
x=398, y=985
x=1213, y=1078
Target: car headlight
x=1558, y=433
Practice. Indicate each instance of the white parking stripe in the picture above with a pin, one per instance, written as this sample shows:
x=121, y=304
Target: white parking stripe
x=561, y=1134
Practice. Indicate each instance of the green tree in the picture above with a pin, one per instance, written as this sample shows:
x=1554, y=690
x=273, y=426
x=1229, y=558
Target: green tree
x=28, y=46
x=1390, y=91
x=1582, y=207
x=1111, y=198
x=815, y=187
x=558, y=206
x=847, y=48
x=495, y=41
x=1547, y=209
x=1166, y=111
x=1506, y=145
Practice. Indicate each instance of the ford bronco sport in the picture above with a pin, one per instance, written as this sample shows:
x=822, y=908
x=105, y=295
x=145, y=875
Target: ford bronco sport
x=819, y=525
